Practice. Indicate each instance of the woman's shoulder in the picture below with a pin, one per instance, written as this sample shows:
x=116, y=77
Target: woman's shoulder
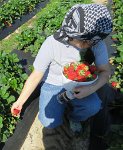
x=51, y=38
x=100, y=45
x=53, y=41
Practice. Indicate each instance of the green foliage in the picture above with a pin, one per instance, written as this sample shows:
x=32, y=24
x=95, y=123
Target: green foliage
x=116, y=136
x=30, y=40
x=14, y=9
x=12, y=78
x=49, y=20
x=118, y=39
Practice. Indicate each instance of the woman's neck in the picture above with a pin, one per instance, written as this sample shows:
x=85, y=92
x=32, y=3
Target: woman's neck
x=79, y=44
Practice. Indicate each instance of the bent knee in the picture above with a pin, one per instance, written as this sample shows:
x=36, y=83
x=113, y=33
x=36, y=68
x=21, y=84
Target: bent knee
x=50, y=122
x=93, y=108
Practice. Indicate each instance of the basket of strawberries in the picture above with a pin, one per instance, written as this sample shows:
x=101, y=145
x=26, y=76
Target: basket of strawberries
x=77, y=74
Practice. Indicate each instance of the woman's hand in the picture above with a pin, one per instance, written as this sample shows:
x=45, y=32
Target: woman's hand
x=82, y=91
x=103, y=78
x=16, y=109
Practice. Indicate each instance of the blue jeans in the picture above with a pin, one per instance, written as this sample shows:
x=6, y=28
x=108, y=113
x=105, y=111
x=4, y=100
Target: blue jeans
x=51, y=111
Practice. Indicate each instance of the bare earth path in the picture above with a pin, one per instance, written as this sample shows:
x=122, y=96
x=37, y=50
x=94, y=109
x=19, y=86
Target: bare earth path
x=37, y=140
x=33, y=140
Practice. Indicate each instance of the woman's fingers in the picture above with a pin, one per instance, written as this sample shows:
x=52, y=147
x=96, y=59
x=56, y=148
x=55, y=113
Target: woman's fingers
x=16, y=109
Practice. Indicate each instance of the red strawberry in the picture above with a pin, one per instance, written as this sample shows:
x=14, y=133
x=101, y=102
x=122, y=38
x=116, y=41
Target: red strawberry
x=72, y=75
x=16, y=111
x=88, y=74
x=65, y=71
x=92, y=68
x=114, y=84
x=79, y=72
x=94, y=76
x=82, y=79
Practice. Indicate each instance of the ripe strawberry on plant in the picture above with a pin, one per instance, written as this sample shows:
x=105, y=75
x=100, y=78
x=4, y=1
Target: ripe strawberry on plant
x=115, y=84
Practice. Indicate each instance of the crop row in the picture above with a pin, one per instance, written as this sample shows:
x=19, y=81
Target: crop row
x=14, y=9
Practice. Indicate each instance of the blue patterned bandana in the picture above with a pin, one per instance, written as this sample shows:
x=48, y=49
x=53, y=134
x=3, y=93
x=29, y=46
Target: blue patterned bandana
x=85, y=22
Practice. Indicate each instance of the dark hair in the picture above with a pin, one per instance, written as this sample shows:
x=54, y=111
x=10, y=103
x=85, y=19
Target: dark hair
x=89, y=56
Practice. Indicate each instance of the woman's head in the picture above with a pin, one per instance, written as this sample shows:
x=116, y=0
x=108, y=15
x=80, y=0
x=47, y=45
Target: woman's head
x=85, y=22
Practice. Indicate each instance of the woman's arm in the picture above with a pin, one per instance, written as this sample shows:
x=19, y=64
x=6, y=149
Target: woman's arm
x=29, y=86
x=104, y=74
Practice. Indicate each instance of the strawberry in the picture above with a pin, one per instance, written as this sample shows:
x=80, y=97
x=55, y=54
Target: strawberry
x=94, y=76
x=80, y=72
x=115, y=84
x=92, y=68
x=16, y=112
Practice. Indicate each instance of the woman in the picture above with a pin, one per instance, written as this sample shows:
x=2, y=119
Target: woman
x=84, y=27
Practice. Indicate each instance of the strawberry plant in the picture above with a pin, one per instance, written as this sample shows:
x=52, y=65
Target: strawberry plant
x=30, y=40
x=117, y=78
x=14, y=9
x=117, y=59
x=12, y=78
x=48, y=21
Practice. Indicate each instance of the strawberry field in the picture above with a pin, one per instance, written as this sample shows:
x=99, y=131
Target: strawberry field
x=29, y=38
x=117, y=78
x=117, y=37
x=14, y=9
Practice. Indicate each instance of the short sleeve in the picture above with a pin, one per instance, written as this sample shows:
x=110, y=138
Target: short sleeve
x=100, y=53
x=44, y=56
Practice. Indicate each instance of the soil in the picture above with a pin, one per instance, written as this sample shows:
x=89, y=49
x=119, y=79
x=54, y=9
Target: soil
x=34, y=137
x=37, y=139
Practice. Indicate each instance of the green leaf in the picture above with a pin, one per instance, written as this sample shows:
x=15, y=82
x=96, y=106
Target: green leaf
x=4, y=138
x=3, y=90
x=14, y=83
x=120, y=48
x=121, y=90
x=11, y=99
x=6, y=96
x=1, y=122
x=118, y=59
x=15, y=59
x=24, y=76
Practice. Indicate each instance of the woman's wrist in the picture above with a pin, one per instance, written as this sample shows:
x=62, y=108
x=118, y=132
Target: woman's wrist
x=99, y=83
x=20, y=102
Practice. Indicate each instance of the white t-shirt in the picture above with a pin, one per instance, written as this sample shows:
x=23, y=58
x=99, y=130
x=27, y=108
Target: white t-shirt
x=53, y=55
